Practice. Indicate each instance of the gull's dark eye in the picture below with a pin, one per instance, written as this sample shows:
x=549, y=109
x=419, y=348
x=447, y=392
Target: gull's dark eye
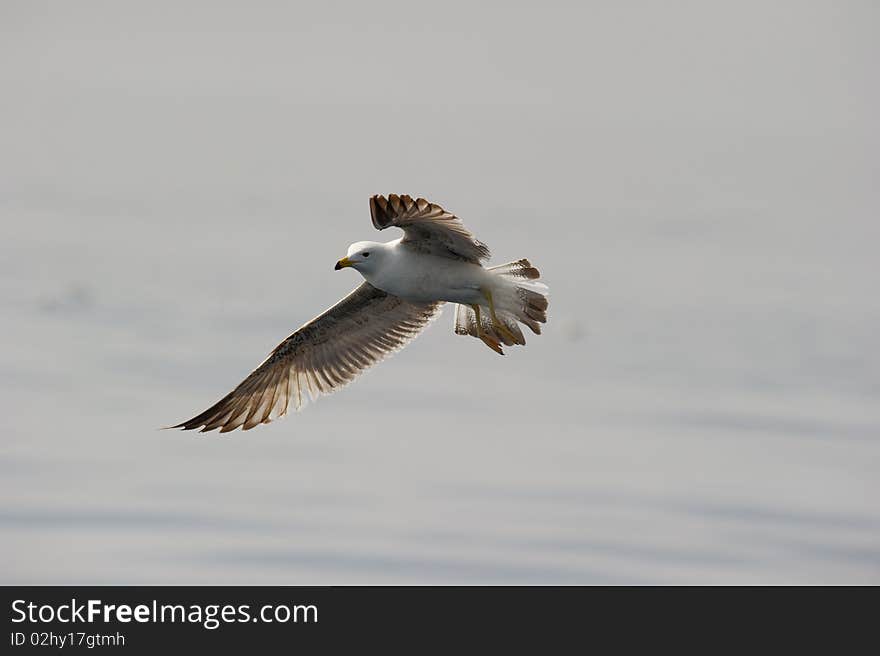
x=366, y=254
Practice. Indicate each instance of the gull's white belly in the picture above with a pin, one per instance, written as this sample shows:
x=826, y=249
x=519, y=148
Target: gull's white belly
x=420, y=278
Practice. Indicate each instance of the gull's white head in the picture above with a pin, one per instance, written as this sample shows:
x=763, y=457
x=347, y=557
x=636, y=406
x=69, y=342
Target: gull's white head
x=363, y=256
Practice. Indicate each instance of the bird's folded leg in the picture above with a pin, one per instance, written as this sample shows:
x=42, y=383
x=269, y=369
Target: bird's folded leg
x=487, y=339
x=499, y=325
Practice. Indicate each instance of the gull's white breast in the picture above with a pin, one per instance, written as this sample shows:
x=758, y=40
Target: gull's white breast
x=422, y=278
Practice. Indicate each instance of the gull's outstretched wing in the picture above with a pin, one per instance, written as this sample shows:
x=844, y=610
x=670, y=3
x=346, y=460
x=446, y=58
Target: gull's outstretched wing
x=323, y=356
x=427, y=227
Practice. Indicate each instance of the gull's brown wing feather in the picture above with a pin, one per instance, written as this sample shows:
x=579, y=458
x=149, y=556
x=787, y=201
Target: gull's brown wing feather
x=427, y=227
x=323, y=356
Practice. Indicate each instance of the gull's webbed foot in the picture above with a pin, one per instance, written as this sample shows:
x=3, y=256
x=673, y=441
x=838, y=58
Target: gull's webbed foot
x=499, y=325
x=488, y=340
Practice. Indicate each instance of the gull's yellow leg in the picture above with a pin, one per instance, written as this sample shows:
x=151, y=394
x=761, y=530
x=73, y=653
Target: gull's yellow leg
x=499, y=325
x=488, y=340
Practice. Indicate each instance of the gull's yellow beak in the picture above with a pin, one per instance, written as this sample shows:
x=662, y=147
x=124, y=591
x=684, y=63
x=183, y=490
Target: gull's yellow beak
x=341, y=264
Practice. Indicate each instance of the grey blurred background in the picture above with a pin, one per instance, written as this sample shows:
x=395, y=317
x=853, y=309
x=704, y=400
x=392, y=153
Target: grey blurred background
x=697, y=181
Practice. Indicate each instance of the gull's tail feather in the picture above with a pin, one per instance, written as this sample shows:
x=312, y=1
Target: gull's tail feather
x=519, y=269
x=517, y=297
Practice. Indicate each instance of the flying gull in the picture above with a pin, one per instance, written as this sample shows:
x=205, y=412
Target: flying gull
x=407, y=281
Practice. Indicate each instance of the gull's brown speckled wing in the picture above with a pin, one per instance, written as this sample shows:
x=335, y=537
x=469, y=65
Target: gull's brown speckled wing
x=323, y=356
x=427, y=227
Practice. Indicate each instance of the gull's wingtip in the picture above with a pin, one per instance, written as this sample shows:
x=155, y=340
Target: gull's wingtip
x=180, y=425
